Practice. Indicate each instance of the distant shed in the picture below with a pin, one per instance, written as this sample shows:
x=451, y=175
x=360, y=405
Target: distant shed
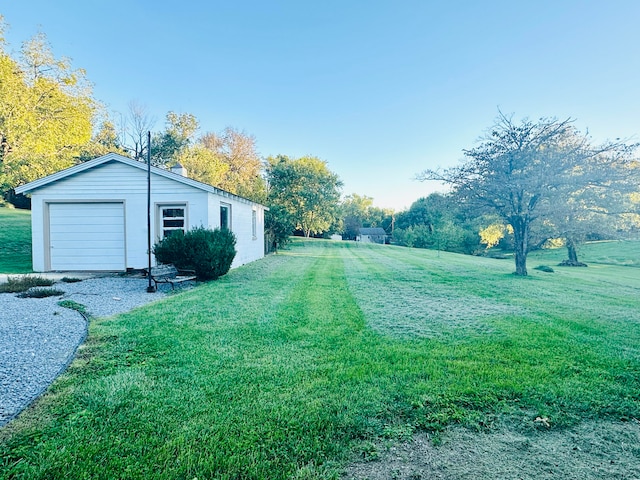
x=372, y=235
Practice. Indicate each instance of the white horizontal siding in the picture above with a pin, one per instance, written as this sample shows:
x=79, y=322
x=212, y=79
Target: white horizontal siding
x=248, y=247
x=113, y=179
x=120, y=182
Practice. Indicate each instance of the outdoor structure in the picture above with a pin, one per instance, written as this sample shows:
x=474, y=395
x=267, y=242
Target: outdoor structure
x=372, y=235
x=93, y=216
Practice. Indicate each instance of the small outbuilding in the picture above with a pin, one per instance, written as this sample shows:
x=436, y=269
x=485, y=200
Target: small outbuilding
x=372, y=235
x=93, y=216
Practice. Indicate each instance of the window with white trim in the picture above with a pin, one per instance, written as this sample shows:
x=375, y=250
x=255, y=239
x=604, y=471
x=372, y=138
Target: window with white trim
x=225, y=216
x=172, y=219
x=254, y=224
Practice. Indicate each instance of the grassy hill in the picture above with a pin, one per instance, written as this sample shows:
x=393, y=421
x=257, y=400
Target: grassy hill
x=15, y=241
x=292, y=366
x=624, y=253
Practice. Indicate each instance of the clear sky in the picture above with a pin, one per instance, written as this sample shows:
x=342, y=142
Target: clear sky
x=379, y=89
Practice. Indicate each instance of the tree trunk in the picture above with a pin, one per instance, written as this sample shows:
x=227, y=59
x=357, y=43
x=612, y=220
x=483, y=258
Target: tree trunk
x=521, y=239
x=572, y=254
x=571, y=251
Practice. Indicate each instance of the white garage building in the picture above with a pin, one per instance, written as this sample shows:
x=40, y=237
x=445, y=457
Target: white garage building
x=93, y=216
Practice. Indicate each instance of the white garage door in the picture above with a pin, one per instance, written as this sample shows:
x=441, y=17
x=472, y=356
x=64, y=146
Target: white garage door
x=86, y=236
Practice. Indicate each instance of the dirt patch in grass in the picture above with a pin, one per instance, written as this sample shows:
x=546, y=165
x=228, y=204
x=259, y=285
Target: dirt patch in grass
x=593, y=450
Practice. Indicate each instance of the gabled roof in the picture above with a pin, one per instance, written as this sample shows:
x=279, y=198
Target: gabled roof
x=372, y=231
x=114, y=157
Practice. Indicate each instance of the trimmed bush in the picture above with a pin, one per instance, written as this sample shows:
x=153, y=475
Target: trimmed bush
x=208, y=252
x=544, y=268
x=172, y=249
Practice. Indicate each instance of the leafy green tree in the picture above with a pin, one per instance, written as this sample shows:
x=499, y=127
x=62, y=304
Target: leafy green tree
x=105, y=140
x=600, y=208
x=415, y=236
x=243, y=172
x=355, y=214
x=351, y=225
x=228, y=160
x=358, y=211
x=46, y=113
x=523, y=171
x=304, y=192
x=279, y=225
x=356, y=205
x=494, y=233
x=203, y=165
x=428, y=211
x=179, y=133
x=379, y=217
x=437, y=222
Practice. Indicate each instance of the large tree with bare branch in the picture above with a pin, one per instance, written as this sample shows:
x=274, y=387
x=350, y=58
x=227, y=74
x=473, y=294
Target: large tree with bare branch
x=523, y=171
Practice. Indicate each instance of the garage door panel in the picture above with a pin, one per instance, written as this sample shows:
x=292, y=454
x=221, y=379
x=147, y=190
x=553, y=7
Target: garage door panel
x=81, y=248
x=67, y=256
x=86, y=236
x=81, y=237
x=86, y=258
x=89, y=221
x=105, y=266
x=89, y=227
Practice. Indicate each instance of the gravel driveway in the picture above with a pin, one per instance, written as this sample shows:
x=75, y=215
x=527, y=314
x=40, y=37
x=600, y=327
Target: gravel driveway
x=38, y=338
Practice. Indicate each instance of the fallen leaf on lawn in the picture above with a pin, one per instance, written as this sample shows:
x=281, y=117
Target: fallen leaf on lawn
x=543, y=420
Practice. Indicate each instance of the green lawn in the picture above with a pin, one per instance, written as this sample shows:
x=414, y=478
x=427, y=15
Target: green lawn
x=15, y=241
x=624, y=253
x=291, y=366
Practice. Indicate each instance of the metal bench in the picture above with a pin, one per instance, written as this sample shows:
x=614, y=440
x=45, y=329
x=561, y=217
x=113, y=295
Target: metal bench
x=170, y=274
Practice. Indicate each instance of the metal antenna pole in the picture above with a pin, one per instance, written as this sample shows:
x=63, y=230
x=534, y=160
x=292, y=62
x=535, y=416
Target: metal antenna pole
x=150, y=288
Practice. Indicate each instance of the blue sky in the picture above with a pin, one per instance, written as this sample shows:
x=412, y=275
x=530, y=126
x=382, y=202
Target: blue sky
x=379, y=89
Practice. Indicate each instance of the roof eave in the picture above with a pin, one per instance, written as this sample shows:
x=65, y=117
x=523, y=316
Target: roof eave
x=54, y=177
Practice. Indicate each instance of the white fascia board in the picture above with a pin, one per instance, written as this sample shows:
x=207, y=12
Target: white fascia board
x=110, y=157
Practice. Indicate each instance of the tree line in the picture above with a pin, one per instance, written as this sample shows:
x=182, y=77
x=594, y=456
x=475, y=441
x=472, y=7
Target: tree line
x=49, y=121
x=524, y=184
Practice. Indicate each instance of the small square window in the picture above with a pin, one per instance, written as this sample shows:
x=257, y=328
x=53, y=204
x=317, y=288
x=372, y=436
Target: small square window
x=172, y=220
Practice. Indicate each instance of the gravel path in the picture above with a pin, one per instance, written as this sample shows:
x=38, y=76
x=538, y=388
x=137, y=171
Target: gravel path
x=38, y=338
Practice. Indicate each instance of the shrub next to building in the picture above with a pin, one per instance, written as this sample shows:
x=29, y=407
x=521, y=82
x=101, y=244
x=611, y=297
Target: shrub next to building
x=208, y=252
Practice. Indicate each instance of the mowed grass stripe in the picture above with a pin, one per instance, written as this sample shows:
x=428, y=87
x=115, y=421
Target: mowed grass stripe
x=274, y=372
x=212, y=383
x=564, y=339
x=410, y=296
